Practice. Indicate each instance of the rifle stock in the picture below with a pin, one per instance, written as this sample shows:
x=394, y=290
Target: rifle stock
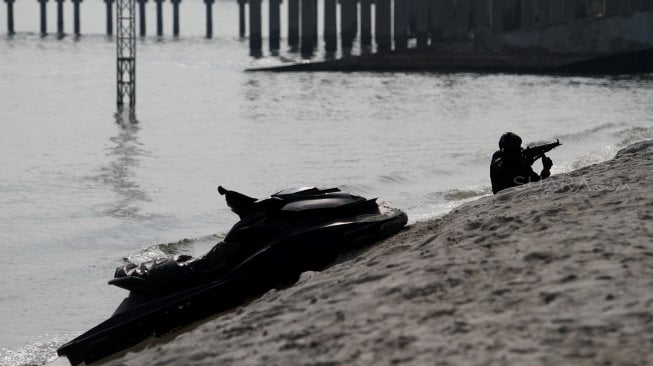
x=533, y=153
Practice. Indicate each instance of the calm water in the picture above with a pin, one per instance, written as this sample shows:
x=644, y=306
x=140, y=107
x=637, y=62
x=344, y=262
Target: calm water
x=81, y=193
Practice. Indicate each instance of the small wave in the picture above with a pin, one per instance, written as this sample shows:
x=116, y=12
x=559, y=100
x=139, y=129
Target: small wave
x=633, y=135
x=581, y=134
x=593, y=157
x=463, y=194
x=360, y=189
x=440, y=203
x=440, y=209
x=393, y=179
x=158, y=251
x=625, y=137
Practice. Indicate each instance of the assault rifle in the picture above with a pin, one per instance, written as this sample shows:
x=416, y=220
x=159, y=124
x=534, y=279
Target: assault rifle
x=532, y=153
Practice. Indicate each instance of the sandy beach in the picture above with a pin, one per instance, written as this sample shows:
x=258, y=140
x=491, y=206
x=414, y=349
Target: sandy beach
x=557, y=273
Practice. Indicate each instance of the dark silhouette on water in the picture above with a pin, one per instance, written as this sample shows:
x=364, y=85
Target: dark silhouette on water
x=511, y=165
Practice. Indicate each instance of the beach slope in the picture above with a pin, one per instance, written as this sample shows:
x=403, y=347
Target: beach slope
x=558, y=273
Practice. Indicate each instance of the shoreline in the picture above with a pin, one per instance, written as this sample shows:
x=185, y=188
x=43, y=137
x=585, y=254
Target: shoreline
x=558, y=272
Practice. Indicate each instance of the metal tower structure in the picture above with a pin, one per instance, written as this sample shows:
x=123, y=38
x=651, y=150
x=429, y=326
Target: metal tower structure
x=126, y=52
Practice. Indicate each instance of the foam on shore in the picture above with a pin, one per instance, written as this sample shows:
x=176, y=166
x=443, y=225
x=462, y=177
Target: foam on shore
x=554, y=273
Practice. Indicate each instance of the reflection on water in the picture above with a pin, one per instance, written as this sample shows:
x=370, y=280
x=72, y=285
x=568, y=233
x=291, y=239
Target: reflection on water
x=119, y=174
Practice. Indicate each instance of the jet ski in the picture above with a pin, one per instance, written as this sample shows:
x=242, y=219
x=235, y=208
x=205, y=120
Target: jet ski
x=276, y=239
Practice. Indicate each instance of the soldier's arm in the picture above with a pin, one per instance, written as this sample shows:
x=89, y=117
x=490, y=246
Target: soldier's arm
x=547, y=163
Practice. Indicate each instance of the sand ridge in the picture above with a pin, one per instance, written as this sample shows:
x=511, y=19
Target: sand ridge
x=554, y=273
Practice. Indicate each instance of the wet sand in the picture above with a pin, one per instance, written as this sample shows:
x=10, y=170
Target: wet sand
x=558, y=273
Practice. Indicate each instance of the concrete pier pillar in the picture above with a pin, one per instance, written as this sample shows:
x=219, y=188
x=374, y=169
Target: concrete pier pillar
x=612, y=7
x=315, y=20
x=481, y=17
x=242, y=28
x=412, y=17
x=557, y=12
x=159, y=17
x=255, y=42
x=383, y=25
x=308, y=27
x=209, y=18
x=422, y=22
x=527, y=18
x=293, y=24
x=616, y=7
x=462, y=9
x=496, y=14
x=366, y=22
x=402, y=24
x=517, y=6
x=60, y=32
x=568, y=10
x=141, y=17
x=330, y=26
x=348, y=16
x=511, y=15
x=472, y=18
x=10, y=17
x=646, y=5
x=175, y=17
x=542, y=12
x=44, y=17
x=442, y=24
x=76, y=22
x=581, y=9
x=274, y=14
x=109, y=13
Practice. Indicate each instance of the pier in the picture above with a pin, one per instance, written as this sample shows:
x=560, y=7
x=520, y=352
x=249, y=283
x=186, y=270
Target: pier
x=110, y=9
x=620, y=44
x=364, y=26
x=382, y=25
x=427, y=22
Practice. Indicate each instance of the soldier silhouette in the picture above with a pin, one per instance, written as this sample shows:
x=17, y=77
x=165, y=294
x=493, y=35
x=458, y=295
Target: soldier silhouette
x=509, y=168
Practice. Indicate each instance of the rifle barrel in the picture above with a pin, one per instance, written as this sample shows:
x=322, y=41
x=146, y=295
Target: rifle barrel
x=533, y=153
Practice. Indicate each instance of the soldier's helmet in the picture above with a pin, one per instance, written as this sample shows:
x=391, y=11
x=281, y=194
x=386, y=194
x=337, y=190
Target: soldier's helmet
x=510, y=141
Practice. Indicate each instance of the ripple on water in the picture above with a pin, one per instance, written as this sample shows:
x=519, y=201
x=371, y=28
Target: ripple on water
x=39, y=352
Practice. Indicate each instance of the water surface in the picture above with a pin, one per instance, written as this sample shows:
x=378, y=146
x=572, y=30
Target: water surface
x=82, y=192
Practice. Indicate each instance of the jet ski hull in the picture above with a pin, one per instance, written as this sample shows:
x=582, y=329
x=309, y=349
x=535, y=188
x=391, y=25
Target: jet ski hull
x=280, y=262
